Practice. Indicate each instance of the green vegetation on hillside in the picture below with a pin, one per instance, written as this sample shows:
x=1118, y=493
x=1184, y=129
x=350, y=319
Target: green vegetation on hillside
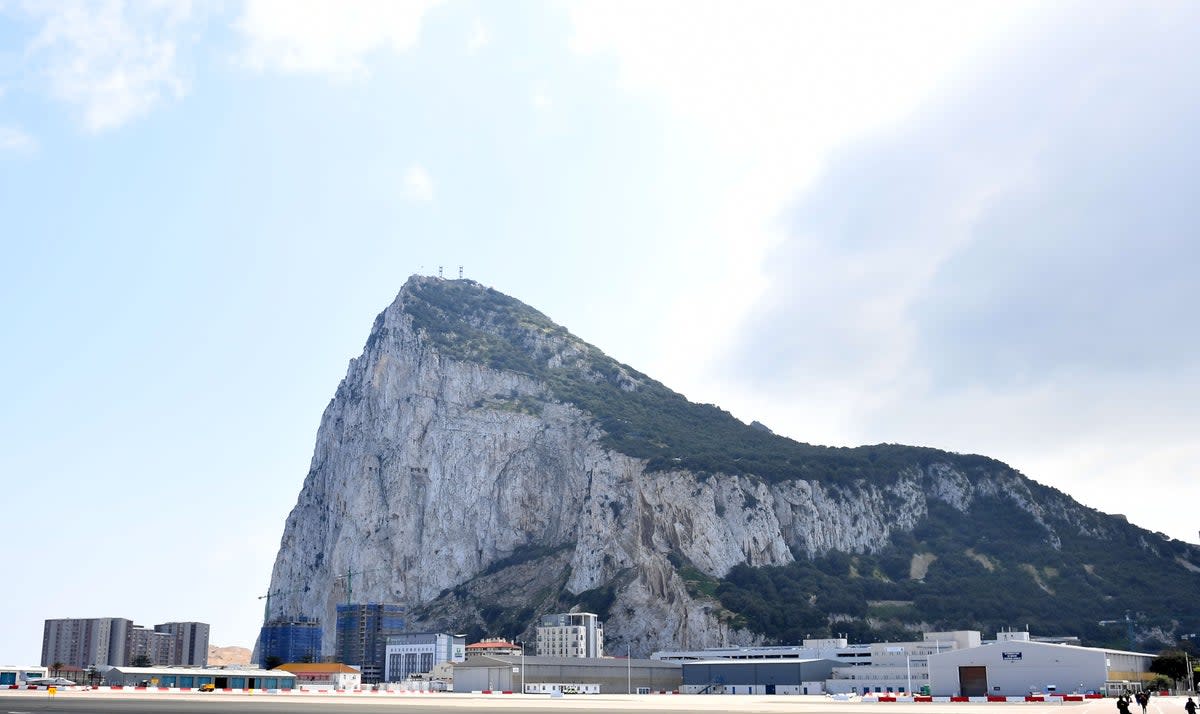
x=640, y=416
x=1053, y=591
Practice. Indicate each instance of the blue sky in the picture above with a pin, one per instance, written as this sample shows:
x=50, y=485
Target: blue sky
x=968, y=226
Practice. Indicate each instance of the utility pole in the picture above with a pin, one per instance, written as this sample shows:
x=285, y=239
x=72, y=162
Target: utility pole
x=628, y=668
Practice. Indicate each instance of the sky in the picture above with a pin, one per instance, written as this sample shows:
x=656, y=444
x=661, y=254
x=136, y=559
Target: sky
x=971, y=226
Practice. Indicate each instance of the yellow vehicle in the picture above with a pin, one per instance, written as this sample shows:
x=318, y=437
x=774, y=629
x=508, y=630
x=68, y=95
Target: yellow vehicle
x=209, y=687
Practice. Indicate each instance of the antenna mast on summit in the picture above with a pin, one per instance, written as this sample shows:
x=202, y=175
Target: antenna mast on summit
x=440, y=271
x=460, y=272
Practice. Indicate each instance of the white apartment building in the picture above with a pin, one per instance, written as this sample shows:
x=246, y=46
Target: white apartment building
x=570, y=634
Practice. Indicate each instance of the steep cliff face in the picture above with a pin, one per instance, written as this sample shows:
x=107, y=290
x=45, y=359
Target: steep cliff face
x=451, y=474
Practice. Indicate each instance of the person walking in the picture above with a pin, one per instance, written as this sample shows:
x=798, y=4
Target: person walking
x=1123, y=704
x=1143, y=699
x=1190, y=706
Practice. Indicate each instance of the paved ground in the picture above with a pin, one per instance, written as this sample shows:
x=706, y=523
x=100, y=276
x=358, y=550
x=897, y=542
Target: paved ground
x=29, y=702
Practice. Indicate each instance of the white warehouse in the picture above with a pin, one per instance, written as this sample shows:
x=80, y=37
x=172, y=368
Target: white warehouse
x=1014, y=666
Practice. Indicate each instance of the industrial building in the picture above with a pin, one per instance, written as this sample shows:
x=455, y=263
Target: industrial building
x=362, y=633
x=290, y=640
x=883, y=667
x=1015, y=665
x=758, y=676
x=897, y=667
x=570, y=675
x=195, y=677
x=570, y=634
x=10, y=675
x=414, y=653
x=828, y=648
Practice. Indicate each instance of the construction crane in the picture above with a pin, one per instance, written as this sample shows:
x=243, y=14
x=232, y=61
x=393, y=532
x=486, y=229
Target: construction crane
x=1128, y=627
x=349, y=576
x=271, y=594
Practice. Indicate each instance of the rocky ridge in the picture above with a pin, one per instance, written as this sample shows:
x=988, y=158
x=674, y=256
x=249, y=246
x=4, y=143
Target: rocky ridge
x=450, y=473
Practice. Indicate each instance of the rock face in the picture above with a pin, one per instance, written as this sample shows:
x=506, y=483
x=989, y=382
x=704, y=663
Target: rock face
x=454, y=485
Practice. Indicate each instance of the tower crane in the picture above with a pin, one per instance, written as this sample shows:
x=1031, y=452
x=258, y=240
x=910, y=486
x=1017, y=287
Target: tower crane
x=349, y=577
x=272, y=593
x=1128, y=627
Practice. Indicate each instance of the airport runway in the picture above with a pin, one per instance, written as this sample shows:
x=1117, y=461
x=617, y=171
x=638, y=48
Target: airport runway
x=26, y=702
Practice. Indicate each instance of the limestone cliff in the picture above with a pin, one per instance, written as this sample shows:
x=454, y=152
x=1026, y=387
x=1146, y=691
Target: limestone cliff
x=467, y=466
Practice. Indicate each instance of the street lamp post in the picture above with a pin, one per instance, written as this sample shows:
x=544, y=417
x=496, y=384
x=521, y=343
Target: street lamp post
x=908, y=670
x=522, y=667
x=628, y=669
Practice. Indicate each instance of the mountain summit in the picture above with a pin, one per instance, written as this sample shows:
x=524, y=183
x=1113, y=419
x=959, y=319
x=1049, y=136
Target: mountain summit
x=484, y=466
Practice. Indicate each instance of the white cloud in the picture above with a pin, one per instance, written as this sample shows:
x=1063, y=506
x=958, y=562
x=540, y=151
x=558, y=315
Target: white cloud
x=1008, y=272
x=14, y=140
x=418, y=184
x=480, y=36
x=771, y=89
x=326, y=36
x=541, y=100
x=115, y=61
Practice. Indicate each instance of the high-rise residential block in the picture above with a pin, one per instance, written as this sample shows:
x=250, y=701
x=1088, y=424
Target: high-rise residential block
x=362, y=635
x=191, y=642
x=83, y=643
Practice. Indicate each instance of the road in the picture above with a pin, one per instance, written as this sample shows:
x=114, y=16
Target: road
x=29, y=702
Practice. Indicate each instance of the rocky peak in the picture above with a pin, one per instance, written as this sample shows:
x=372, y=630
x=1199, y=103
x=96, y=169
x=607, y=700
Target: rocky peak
x=485, y=466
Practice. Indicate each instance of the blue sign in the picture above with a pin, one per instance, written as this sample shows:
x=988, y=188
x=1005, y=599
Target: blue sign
x=1011, y=656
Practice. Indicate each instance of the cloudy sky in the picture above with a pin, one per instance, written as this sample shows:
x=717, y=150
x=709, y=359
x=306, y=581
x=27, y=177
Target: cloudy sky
x=963, y=225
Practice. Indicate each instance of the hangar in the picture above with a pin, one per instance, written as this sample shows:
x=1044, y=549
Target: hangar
x=1014, y=667
x=758, y=676
x=195, y=677
x=583, y=675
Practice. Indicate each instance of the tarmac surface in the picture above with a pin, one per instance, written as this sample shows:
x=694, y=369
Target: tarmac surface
x=99, y=702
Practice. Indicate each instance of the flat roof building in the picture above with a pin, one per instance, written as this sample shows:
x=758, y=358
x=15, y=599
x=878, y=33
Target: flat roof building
x=83, y=642
x=11, y=675
x=195, y=677
x=191, y=642
x=591, y=675
x=570, y=634
x=758, y=676
x=414, y=653
x=1015, y=667
x=332, y=675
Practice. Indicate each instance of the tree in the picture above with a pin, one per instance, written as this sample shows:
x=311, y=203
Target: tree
x=1170, y=663
x=56, y=669
x=142, y=660
x=272, y=661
